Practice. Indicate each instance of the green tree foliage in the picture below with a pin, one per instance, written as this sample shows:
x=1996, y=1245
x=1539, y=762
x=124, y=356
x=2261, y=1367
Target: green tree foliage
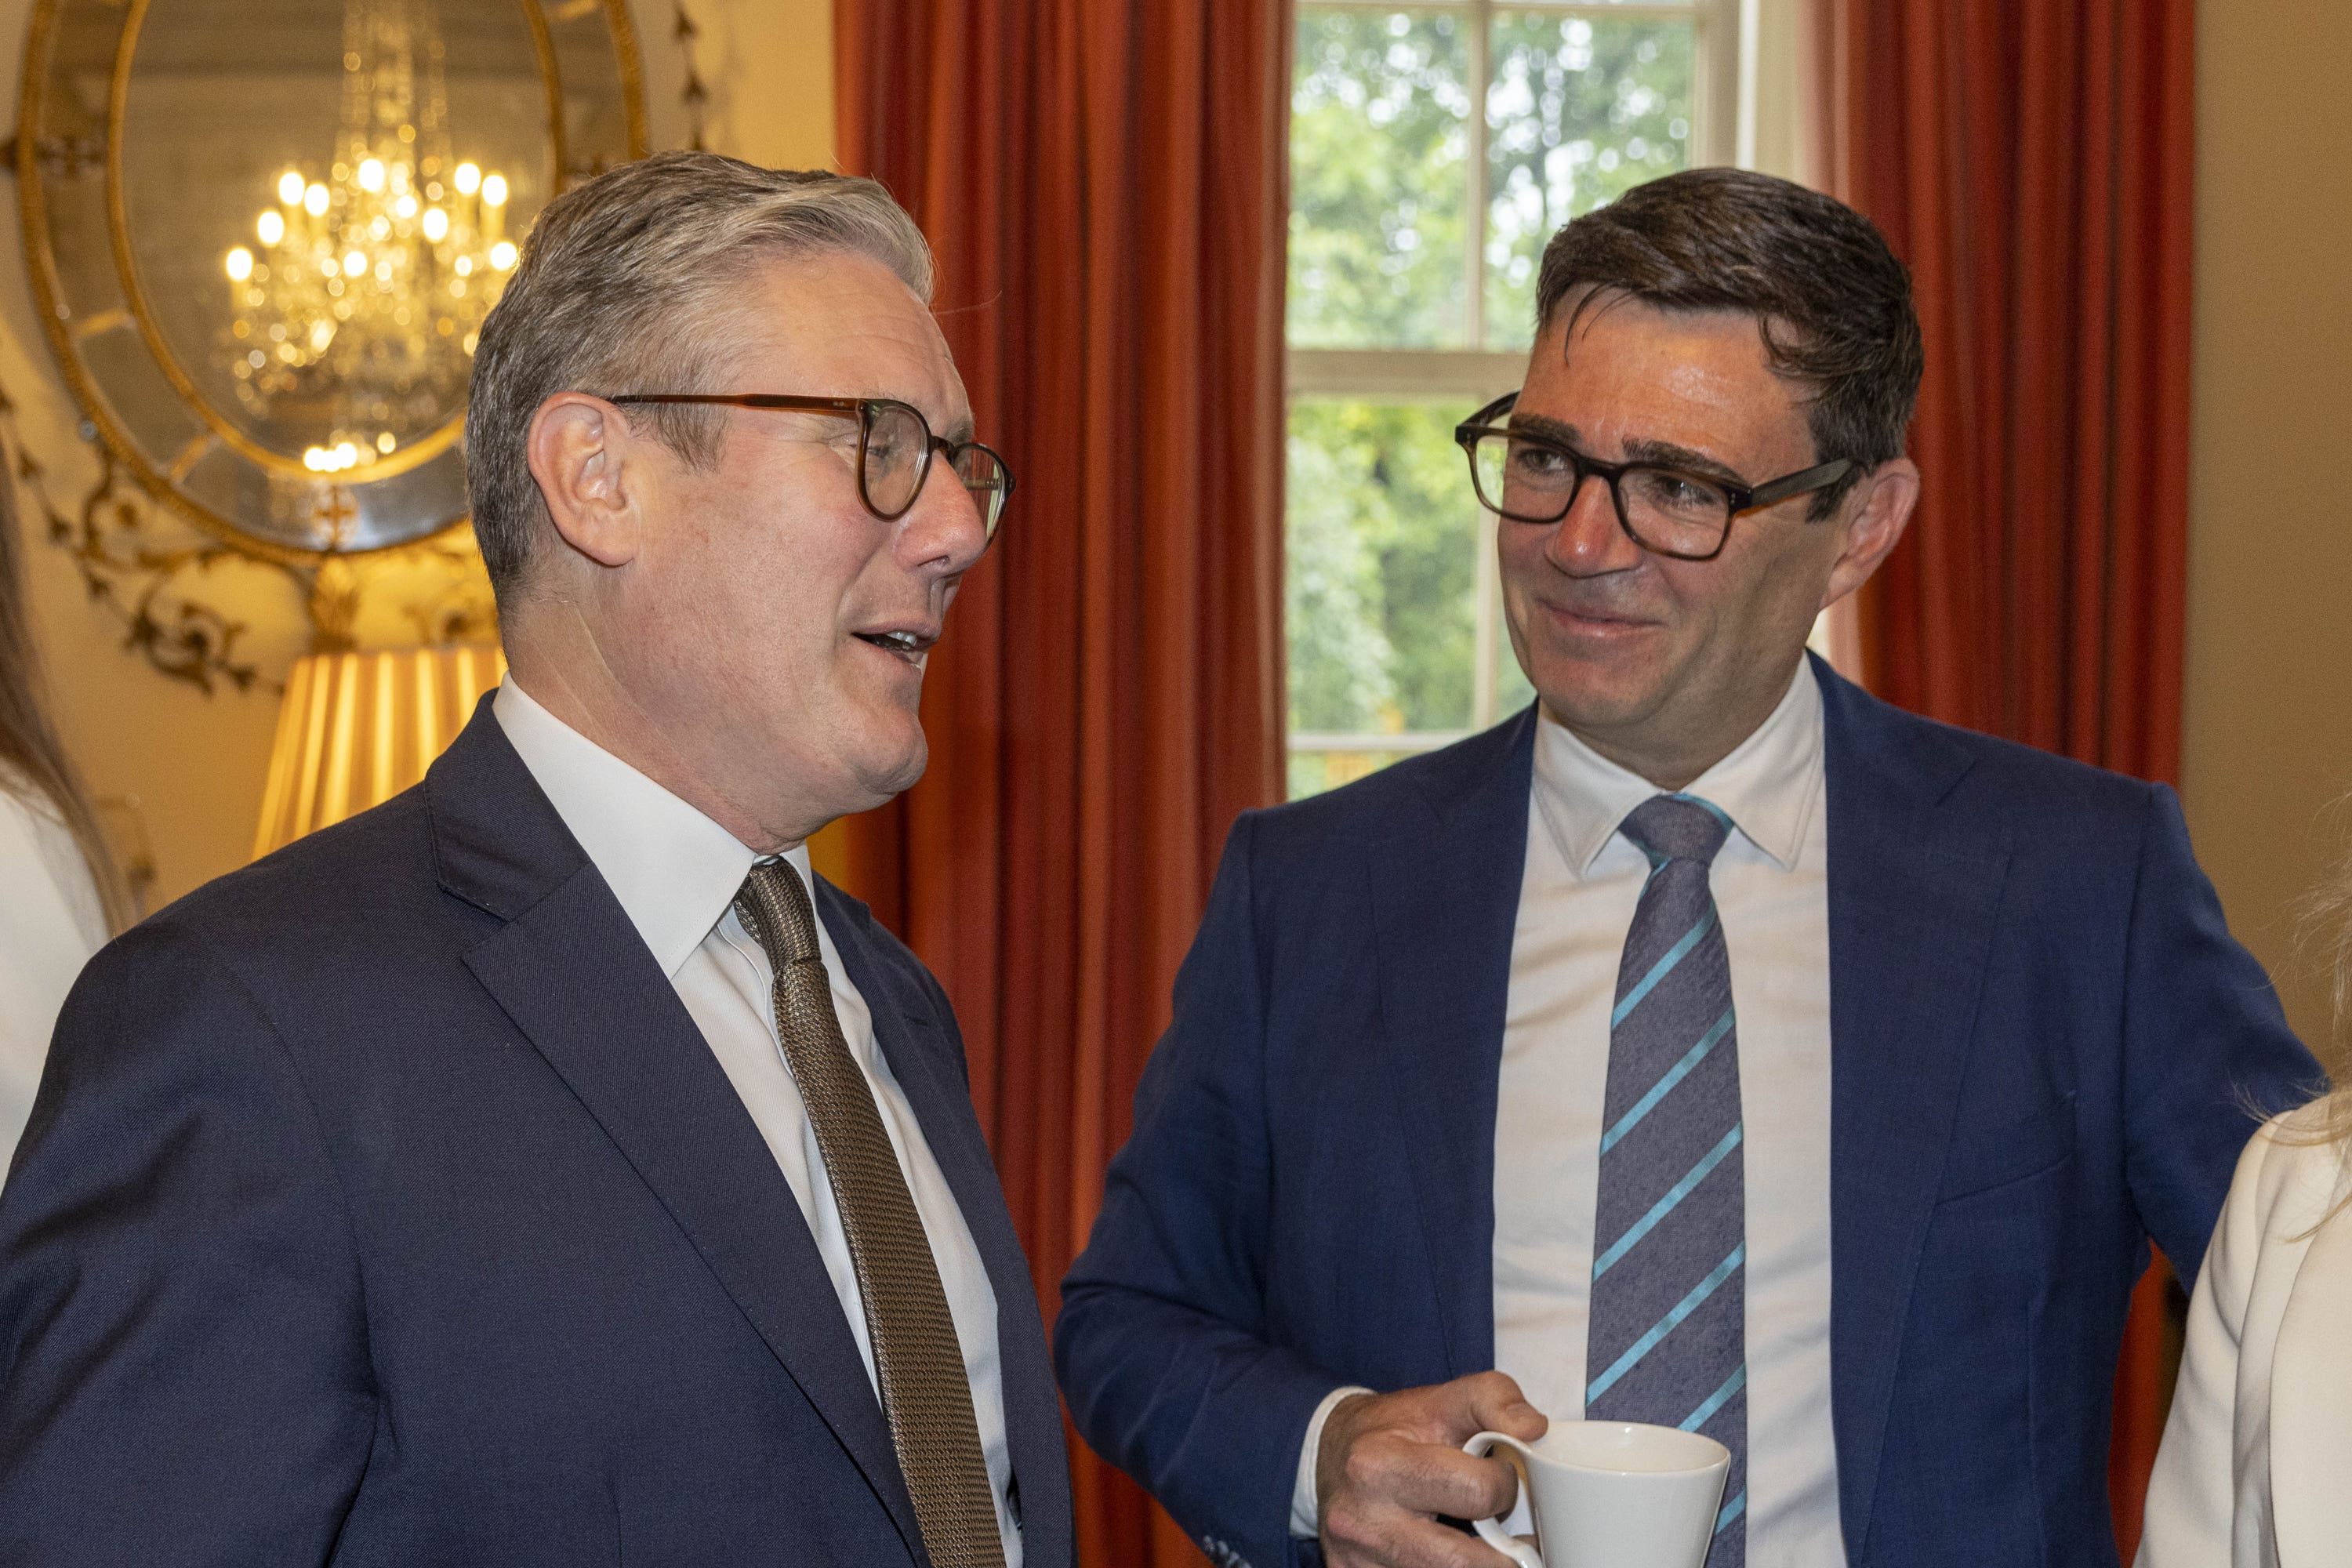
x=1379, y=189
x=1579, y=112
x=1384, y=537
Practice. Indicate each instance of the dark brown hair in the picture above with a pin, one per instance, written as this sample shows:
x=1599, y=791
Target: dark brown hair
x=1833, y=302
x=33, y=763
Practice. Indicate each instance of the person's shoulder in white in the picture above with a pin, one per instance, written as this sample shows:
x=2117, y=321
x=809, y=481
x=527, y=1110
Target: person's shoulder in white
x=2241, y=1477
x=51, y=921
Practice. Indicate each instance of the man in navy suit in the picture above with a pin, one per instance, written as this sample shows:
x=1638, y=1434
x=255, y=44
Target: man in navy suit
x=544, y=1168
x=1710, y=1046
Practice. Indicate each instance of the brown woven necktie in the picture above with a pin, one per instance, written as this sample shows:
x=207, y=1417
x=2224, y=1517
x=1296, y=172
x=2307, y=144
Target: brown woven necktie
x=926, y=1396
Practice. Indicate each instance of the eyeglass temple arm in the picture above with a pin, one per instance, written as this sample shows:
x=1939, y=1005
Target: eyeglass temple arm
x=1818, y=476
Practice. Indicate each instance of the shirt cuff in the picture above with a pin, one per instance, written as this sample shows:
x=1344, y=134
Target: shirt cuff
x=1303, y=1501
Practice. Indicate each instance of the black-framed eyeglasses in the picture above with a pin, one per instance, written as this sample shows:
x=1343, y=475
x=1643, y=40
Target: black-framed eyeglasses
x=1667, y=510
x=895, y=447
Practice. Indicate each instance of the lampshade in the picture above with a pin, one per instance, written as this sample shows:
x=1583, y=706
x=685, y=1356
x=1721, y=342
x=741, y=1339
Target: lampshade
x=359, y=728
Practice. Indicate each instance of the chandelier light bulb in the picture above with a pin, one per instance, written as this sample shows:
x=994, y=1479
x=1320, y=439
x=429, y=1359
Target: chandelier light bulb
x=365, y=277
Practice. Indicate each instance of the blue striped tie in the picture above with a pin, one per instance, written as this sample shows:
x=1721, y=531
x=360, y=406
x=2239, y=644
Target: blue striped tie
x=1667, y=1342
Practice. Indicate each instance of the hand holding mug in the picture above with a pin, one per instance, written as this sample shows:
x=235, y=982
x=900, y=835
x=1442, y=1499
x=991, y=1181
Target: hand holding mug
x=1390, y=1464
x=1607, y=1493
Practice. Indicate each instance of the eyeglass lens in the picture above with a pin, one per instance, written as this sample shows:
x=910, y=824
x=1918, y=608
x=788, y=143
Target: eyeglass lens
x=898, y=456
x=1671, y=512
x=897, y=446
x=984, y=477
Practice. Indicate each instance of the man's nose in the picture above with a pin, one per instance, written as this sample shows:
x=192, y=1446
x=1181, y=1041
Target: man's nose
x=944, y=530
x=1589, y=539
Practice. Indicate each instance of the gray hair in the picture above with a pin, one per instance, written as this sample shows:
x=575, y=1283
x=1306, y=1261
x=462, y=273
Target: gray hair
x=624, y=285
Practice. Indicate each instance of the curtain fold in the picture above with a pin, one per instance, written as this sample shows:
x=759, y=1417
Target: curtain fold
x=1104, y=184
x=2033, y=162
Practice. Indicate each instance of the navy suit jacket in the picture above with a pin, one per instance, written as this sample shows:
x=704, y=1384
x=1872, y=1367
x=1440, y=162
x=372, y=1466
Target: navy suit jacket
x=381, y=1204
x=2045, y=1049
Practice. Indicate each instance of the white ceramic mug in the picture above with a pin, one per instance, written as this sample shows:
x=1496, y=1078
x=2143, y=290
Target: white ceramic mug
x=1608, y=1494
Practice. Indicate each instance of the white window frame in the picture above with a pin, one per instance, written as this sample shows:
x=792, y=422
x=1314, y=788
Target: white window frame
x=1722, y=37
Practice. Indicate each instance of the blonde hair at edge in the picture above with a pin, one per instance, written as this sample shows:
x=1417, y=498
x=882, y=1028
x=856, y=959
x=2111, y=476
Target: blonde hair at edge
x=2326, y=927
x=33, y=762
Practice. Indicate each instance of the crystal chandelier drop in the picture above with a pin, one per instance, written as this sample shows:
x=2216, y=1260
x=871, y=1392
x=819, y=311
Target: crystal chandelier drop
x=360, y=305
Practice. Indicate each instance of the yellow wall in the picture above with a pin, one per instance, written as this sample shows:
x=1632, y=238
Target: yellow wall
x=194, y=764
x=2269, y=717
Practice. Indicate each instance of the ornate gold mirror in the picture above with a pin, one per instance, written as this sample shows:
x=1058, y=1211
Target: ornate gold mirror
x=263, y=234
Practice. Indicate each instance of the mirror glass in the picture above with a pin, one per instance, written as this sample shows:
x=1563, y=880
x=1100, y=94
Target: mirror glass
x=269, y=231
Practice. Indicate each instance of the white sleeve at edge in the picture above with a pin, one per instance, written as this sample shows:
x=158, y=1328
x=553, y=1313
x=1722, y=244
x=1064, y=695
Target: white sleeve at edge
x=1302, y=1495
x=2193, y=1491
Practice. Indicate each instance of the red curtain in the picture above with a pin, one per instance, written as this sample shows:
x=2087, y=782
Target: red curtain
x=2031, y=160
x=1104, y=184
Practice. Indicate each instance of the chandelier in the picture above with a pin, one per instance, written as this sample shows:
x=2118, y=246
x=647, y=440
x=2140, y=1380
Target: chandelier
x=361, y=304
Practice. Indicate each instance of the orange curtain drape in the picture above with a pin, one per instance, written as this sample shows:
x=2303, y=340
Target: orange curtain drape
x=1104, y=184
x=2031, y=161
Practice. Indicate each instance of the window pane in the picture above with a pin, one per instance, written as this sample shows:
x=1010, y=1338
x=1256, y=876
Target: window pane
x=1380, y=148
x=1512, y=691
x=1312, y=773
x=1383, y=538
x=1577, y=111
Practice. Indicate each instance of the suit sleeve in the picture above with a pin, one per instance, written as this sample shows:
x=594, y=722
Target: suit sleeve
x=183, y=1371
x=2208, y=1055
x=2191, y=1497
x=1161, y=1343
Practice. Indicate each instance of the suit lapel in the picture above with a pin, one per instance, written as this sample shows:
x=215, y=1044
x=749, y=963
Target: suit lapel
x=1444, y=888
x=1915, y=886
x=920, y=1057
x=572, y=973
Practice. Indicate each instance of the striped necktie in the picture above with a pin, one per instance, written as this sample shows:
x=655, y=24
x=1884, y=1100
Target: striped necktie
x=1667, y=1341
x=926, y=1393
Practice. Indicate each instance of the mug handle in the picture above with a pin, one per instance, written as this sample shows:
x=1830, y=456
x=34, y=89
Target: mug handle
x=1490, y=1531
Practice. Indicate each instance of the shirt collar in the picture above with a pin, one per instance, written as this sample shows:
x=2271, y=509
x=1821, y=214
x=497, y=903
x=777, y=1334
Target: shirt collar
x=1766, y=784
x=675, y=871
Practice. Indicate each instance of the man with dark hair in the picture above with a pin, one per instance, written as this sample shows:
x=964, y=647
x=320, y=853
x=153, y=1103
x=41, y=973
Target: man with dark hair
x=547, y=1169
x=1709, y=1045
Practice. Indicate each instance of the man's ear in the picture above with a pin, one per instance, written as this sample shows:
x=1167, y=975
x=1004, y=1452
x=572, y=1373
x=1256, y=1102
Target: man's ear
x=1881, y=512
x=590, y=468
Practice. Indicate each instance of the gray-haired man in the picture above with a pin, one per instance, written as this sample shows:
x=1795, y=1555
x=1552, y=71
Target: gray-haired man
x=545, y=1168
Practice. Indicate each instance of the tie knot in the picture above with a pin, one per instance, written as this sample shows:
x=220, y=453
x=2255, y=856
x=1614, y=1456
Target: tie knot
x=1677, y=827
x=774, y=908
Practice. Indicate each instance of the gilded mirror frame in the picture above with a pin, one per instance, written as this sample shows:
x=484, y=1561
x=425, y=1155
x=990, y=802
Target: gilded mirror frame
x=593, y=40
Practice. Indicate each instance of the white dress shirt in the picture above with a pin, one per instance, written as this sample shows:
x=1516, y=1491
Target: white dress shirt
x=50, y=923
x=1581, y=881
x=675, y=873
